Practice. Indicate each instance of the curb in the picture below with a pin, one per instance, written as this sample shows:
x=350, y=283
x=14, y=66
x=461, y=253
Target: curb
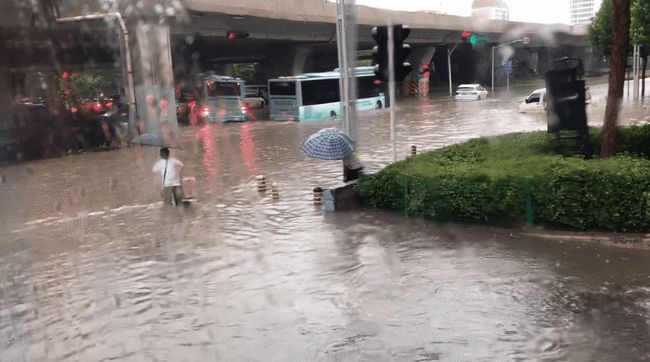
x=639, y=242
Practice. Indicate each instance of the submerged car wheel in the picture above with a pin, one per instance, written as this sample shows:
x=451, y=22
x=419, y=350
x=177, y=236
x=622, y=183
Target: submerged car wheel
x=378, y=105
x=332, y=114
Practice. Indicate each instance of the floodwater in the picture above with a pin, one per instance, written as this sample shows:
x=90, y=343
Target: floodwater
x=93, y=267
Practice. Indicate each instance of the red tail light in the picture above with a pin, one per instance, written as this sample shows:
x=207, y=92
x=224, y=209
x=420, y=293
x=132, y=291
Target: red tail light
x=97, y=107
x=205, y=111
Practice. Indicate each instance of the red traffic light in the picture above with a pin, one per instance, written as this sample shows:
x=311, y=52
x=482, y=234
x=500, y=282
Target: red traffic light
x=465, y=34
x=232, y=35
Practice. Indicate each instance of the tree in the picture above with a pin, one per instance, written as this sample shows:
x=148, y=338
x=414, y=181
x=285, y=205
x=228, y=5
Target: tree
x=600, y=31
x=618, y=51
x=245, y=71
x=640, y=32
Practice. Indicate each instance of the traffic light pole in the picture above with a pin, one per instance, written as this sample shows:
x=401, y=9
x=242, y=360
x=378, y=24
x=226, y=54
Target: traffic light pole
x=449, y=52
x=391, y=87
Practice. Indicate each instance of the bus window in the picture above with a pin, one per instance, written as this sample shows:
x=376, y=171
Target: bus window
x=320, y=91
x=220, y=89
x=282, y=88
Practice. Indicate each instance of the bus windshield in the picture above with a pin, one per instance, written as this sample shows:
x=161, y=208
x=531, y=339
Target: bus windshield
x=222, y=89
x=287, y=88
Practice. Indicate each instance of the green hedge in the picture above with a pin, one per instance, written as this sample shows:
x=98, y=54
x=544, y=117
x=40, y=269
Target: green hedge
x=482, y=180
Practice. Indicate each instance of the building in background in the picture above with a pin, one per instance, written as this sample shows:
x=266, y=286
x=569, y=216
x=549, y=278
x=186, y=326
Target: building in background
x=582, y=11
x=490, y=10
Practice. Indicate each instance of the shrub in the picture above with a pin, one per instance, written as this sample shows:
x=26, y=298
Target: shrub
x=482, y=180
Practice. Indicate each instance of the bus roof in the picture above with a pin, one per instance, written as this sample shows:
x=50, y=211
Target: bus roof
x=220, y=78
x=359, y=71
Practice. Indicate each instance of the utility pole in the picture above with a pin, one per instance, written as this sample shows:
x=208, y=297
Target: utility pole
x=636, y=65
x=346, y=44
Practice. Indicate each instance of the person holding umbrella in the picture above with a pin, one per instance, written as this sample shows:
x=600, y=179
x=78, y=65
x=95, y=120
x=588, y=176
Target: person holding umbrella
x=332, y=144
x=171, y=170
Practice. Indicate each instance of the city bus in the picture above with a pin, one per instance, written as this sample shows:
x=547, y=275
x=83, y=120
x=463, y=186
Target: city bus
x=222, y=99
x=316, y=96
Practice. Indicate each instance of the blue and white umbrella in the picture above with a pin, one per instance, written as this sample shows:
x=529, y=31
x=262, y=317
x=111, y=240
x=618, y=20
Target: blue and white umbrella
x=328, y=144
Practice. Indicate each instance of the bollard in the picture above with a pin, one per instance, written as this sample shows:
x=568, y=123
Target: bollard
x=275, y=191
x=261, y=183
x=318, y=196
x=414, y=150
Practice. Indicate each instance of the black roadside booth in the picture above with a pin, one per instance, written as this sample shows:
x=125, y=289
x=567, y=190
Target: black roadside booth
x=566, y=115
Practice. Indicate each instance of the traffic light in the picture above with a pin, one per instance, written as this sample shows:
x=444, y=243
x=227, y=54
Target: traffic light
x=401, y=52
x=468, y=35
x=232, y=35
x=380, y=52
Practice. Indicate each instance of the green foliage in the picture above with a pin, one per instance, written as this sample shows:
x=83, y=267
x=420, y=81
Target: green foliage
x=482, y=180
x=244, y=71
x=640, y=24
x=600, y=30
x=365, y=62
x=76, y=88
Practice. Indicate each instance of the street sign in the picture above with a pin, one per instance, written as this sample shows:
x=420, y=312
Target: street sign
x=525, y=40
x=507, y=67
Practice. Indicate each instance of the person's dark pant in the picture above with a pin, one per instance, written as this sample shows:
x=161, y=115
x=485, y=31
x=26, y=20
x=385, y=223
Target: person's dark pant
x=172, y=195
x=351, y=174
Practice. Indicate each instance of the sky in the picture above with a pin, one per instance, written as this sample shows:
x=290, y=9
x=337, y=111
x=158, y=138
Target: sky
x=537, y=11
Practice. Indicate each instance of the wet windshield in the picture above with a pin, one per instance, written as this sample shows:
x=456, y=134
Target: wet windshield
x=343, y=211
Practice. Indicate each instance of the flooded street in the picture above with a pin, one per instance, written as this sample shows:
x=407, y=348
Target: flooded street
x=93, y=267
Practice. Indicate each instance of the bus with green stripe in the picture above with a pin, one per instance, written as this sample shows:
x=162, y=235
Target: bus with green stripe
x=222, y=99
x=316, y=96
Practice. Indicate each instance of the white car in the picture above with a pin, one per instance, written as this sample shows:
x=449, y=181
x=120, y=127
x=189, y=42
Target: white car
x=535, y=102
x=253, y=101
x=470, y=92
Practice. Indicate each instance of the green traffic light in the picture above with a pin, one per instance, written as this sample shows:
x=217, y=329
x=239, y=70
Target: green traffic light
x=473, y=39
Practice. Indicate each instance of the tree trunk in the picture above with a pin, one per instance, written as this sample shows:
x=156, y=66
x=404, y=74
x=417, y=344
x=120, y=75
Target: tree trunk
x=620, y=39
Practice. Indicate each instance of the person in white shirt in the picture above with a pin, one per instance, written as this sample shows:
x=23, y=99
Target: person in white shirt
x=170, y=169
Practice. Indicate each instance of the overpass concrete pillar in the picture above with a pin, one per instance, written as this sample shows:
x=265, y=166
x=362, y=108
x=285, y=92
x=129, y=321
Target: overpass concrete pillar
x=153, y=77
x=300, y=59
x=420, y=55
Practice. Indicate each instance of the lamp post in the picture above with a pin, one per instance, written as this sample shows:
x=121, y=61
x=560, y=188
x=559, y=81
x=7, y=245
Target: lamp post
x=524, y=40
x=128, y=59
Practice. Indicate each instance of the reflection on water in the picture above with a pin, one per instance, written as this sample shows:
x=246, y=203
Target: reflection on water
x=92, y=267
